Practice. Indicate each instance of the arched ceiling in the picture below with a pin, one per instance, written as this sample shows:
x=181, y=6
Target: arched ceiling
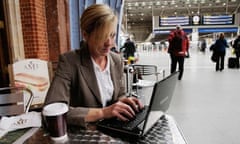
x=137, y=18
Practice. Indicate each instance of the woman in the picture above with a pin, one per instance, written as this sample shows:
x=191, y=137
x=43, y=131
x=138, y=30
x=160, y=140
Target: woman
x=220, y=49
x=90, y=79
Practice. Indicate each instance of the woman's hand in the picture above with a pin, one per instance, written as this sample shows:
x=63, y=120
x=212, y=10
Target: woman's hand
x=124, y=109
x=133, y=102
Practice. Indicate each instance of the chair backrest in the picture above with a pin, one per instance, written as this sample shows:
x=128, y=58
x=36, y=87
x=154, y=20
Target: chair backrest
x=146, y=70
x=13, y=102
x=128, y=74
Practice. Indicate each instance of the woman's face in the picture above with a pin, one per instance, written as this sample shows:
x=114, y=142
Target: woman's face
x=101, y=47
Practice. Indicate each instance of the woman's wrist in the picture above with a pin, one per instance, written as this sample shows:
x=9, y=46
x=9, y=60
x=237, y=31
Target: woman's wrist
x=101, y=113
x=94, y=114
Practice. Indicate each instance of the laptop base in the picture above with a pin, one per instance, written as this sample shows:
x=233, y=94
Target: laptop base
x=126, y=136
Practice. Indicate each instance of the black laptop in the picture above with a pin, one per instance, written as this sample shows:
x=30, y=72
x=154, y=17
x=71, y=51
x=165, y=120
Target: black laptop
x=159, y=103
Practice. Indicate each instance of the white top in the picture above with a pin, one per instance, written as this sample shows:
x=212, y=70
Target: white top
x=104, y=81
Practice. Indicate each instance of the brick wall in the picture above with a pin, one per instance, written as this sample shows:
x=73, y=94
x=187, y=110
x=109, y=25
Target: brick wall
x=34, y=29
x=45, y=26
x=57, y=16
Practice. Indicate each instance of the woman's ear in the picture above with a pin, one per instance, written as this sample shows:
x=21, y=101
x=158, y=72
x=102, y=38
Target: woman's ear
x=85, y=35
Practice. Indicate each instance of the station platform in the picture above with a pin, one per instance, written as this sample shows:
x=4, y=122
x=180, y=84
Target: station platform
x=205, y=102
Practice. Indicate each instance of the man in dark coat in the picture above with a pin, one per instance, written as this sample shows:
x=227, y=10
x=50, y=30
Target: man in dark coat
x=236, y=46
x=130, y=48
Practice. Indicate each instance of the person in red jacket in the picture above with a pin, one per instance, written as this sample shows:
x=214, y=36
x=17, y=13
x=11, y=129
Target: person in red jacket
x=178, y=48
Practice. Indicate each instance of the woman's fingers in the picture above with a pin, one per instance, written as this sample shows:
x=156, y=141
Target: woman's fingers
x=139, y=103
x=124, y=109
x=133, y=102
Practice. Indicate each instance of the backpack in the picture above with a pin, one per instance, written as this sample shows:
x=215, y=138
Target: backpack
x=236, y=44
x=237, y=49
x=177, y=41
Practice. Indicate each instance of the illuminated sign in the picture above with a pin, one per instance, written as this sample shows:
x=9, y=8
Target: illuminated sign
x=173, y=21
x=218, y=20
x=196, y=20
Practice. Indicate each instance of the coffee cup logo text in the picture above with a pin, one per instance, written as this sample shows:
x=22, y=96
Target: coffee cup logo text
x=31, y=66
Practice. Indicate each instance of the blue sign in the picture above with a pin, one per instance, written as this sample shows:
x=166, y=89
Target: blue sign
x=169, y=30
x=213, y=30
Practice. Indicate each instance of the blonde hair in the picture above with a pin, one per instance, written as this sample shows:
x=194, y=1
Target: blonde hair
x=98, y=19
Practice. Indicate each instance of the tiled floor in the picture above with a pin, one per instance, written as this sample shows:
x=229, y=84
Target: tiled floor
x=206, y=103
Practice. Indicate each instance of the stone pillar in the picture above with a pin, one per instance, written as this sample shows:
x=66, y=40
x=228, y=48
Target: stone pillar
x=14, y=26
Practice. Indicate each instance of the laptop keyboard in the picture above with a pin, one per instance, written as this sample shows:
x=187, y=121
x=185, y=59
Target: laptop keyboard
x=139, y=117
x=130, y=125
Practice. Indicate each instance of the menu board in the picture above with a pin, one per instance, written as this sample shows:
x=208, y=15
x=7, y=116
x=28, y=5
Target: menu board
x=218, y=20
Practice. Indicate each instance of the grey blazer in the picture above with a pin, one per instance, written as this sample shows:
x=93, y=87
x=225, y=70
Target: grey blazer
x=75, y=83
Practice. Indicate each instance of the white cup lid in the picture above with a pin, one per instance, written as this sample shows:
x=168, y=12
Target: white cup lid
x=55, y=109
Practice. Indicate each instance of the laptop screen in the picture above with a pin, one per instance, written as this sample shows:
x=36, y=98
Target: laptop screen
x=160, y=100
x=159, y=103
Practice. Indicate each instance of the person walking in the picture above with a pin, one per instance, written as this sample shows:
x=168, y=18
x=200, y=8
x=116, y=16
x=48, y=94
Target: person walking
x=203, y=45
x=130, y=48
x=220, y=49
x=178, y=48
x=236, y=46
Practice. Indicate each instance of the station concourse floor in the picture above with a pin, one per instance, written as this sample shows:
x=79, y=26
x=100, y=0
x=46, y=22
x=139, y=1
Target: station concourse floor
x=206, y=103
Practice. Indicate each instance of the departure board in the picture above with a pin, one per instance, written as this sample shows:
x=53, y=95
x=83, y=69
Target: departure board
x=173, y=21
x=218, y=20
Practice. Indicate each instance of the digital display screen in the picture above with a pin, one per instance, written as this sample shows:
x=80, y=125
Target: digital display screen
x=218, y=20
x=173, y=21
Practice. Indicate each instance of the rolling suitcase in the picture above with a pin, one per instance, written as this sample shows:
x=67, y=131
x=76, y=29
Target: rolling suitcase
x=232, y=62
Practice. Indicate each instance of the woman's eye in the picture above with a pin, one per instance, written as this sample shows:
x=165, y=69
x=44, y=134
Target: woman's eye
x=112, y=35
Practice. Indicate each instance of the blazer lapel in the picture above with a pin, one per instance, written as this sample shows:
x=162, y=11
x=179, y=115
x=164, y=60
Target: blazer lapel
x=114, y=74
x=86, y=68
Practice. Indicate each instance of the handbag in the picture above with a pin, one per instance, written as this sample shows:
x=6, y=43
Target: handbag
x=214, y=57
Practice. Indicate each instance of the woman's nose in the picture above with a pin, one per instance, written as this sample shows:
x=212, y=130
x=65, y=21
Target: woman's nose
x=108, y=42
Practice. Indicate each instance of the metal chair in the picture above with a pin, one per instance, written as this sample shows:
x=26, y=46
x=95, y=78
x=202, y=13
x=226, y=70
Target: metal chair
x=145, y=76
x=12, y=100
x=128, y=74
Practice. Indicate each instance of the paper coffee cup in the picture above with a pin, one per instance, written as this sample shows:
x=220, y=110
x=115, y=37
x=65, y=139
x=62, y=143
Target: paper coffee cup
x=55, y=119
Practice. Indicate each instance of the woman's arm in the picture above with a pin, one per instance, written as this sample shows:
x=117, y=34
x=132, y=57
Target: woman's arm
x=124, y=109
